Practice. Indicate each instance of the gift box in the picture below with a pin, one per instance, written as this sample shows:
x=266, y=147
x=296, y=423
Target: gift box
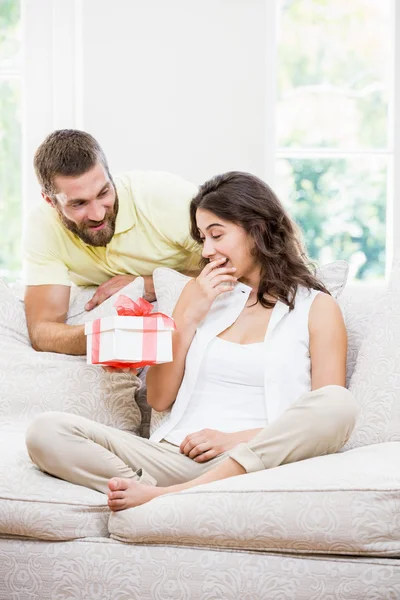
x=135, y=337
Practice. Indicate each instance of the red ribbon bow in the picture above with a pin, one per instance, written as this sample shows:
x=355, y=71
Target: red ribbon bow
x=128, y=308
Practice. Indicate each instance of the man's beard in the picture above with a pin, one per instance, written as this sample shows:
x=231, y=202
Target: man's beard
x=83, y=231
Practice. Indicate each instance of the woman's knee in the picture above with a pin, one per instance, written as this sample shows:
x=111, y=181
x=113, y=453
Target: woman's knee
x=340, y=411
x=43, y=434
x=342, y=403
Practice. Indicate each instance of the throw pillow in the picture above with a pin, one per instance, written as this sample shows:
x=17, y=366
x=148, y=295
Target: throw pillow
x=375, y=383
x=33, y=382
x=358, y=303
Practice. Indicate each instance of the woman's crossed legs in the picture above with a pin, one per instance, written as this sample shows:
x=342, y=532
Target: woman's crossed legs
x=133, y=470
x=88, y=453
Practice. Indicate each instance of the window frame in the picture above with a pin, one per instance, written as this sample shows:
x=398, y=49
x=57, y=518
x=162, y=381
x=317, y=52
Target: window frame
x=392, y=151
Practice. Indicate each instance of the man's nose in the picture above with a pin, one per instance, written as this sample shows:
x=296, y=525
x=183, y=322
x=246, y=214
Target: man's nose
x=96, y=212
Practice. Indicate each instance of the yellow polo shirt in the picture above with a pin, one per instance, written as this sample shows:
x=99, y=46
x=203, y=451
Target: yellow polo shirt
x=151, y=230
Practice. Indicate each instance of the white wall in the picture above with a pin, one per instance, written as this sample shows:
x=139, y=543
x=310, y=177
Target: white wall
x=178, y=85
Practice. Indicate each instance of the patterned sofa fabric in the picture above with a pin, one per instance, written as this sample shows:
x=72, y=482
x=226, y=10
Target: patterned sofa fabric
x=105, y=570
x=339, y=504
x=35, y=505
x=33, y=382
x=359, y=303
x=375, y=382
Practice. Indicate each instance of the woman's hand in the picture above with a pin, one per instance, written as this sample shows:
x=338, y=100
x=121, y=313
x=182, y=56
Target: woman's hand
x=207, y=444
x=212, y=281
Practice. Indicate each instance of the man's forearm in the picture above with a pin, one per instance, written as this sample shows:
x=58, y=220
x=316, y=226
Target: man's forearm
x=59, y=337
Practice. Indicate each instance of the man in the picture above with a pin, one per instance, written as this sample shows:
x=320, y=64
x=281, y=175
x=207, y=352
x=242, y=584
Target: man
x=94, y=231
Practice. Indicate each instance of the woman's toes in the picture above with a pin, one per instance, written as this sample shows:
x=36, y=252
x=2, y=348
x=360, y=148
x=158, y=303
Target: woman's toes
x=116, y=505
x=117, y=495
x=116, y=483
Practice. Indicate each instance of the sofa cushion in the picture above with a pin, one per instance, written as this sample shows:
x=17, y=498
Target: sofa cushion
x=33, y=382
x=36, y=505
x=339, y=504
x=375, y=383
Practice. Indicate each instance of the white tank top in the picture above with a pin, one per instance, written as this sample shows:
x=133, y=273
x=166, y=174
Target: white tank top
x=229, y=391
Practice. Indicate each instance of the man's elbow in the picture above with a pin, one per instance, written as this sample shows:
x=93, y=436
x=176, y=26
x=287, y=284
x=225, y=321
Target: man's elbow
x=40, y=336
x=36, y=339
x=36, y=346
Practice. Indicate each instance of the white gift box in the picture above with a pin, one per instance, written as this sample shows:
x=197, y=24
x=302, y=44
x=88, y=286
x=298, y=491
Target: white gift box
x=129, y=339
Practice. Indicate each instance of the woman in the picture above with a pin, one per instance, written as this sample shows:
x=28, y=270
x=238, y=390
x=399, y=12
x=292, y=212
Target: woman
x=258, y=373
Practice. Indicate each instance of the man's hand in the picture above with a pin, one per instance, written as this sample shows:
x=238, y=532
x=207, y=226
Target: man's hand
x=129, y=370
x=149, y=293
x=107, y=289
x=208, y=443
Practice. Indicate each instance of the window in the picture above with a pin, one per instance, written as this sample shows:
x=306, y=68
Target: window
x=334, y=144
x=329, y=145
x=10, y=140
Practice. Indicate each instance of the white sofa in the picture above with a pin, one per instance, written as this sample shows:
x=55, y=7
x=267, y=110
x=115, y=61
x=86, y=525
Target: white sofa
x=326, y=528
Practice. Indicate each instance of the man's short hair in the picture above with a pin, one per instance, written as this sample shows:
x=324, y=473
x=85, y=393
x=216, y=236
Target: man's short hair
x=67, y=152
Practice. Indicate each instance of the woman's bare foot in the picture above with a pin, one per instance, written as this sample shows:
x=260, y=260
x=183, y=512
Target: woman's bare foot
x=127, y=493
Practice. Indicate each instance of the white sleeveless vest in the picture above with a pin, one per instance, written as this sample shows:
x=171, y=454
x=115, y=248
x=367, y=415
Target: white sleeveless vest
x=287, y=372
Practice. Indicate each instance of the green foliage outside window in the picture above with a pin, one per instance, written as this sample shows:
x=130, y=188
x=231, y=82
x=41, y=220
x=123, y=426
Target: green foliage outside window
x=334, y=77
x=340, y=205
x=10, y=141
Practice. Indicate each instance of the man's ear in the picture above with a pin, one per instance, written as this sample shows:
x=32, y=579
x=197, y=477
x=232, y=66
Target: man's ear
x=48, y=199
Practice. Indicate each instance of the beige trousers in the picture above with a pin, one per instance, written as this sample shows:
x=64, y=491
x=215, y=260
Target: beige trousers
x=87, y=453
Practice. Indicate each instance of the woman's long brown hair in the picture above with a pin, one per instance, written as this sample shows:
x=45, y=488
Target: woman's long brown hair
x=247, y=201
